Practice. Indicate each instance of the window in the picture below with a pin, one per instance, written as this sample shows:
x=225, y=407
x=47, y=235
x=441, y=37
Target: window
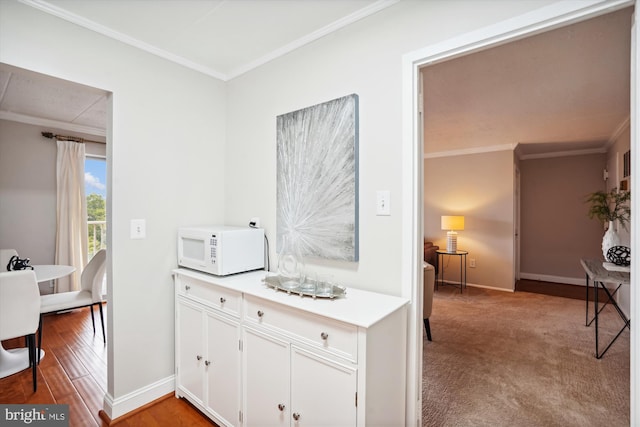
x=95, y=178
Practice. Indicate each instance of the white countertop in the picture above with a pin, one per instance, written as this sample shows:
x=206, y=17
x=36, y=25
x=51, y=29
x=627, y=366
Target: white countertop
x=358, y=307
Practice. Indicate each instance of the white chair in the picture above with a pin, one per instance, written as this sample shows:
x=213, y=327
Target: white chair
x=20, y=310
x=89, y=295
x=5, y=257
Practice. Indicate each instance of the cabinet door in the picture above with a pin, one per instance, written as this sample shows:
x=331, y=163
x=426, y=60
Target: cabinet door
x=323, y=393
x=222, y=366
x=266, y=380
x=190, y=350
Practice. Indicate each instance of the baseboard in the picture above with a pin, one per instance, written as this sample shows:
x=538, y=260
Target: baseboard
x=474, y=285
x=115, y=408
x=553, y=279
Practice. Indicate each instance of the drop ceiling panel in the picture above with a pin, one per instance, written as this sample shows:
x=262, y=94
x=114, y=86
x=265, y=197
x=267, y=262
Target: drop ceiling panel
x=55, y=100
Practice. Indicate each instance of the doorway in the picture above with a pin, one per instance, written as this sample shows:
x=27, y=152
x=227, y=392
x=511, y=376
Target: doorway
x=547, y=18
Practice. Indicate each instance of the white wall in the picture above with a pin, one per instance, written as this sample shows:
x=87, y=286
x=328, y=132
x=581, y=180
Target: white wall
x=479, y=187
x=363, y=58
x=164, y=154
x=27, y=192
x=555, y=230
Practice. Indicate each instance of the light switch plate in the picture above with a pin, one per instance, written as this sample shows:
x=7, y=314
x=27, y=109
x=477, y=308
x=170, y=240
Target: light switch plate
x=383, y=203
x=138, y=228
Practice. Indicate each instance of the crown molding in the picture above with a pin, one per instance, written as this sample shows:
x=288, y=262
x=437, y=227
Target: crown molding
x=475, y=150
x=567, y=153
x=106, y=31
x=38, y=121
x=328, y=29
x=131, y=41
x=626, y=123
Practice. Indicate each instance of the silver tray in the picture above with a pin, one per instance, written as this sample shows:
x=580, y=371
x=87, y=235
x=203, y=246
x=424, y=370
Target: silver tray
x=337, y=291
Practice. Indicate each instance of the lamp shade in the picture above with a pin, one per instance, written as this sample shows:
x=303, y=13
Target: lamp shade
x=452, y=222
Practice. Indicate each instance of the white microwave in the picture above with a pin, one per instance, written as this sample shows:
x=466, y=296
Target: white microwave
x=221, y=250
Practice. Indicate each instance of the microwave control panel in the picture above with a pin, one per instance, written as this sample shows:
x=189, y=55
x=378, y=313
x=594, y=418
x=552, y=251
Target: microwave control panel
x=213, y=243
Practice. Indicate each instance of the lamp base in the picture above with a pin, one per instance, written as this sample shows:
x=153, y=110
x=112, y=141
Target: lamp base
x=452, y=241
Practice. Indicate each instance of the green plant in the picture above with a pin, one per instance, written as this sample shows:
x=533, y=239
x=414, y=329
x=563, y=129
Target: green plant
x=610, y=206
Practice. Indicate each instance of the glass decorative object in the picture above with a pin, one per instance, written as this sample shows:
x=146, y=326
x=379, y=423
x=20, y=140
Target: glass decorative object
x=289, y=264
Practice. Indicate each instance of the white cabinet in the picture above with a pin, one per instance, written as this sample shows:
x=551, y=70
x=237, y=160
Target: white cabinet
x=207, y=355
x=288, y=386
x=247, y=355
x=311, y=377
x=323, y=392
x=266, y=380
x=190, y=350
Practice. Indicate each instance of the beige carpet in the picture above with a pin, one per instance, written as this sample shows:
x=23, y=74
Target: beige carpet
x=521, y=359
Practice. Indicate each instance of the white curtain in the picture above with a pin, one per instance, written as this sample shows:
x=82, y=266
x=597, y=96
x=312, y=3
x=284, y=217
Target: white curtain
x=71, y=231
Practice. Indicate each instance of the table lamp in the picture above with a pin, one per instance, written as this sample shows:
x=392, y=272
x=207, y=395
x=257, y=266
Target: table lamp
x=452, y=223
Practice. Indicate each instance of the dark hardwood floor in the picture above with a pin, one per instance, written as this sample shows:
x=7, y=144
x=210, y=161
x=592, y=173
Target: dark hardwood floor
x=557, y=289
x=74, y=372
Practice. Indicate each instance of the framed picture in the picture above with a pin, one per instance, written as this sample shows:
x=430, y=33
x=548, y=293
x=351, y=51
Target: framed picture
x=317, y=179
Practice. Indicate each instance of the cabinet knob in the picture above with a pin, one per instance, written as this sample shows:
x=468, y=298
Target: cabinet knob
x=281, y=406
x=324, y=335
x=296, y=416
x=207, y=362
x=260, y=313
x=222, y=300
x=199, y=357
x=187, y=287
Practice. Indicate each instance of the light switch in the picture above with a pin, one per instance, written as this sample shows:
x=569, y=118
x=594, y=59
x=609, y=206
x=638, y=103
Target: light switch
x=138, y=229
x=383, y=203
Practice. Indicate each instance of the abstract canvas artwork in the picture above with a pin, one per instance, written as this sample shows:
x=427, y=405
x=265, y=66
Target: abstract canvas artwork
x=317, y=179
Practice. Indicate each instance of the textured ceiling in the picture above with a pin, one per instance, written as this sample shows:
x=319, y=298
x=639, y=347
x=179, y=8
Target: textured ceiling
x=35, y=98
x=569, y=87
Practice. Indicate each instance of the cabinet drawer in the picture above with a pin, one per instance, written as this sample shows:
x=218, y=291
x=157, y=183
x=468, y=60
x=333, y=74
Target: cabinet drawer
x=211, y=295
x=331, y=335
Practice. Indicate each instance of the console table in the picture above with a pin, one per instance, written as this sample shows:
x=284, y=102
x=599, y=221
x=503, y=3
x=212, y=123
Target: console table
x=600, y=276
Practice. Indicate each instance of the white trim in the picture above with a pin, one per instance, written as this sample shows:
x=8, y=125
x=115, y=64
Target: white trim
x=51, y=9
x=475, y=285
x=412, y=233
x=512, y=147
x=105, y=31
x=568, y=153
x=553, y=279
x=635, y=243
x=546, y=18
x=115, y=408
x=474, y=150
x=328, y=29
x=38, y=121
x=493, y=288
x=616, y=133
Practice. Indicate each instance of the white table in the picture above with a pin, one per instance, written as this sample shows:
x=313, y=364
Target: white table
x=600, y=276
x=17, y=359
x=44, y=273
